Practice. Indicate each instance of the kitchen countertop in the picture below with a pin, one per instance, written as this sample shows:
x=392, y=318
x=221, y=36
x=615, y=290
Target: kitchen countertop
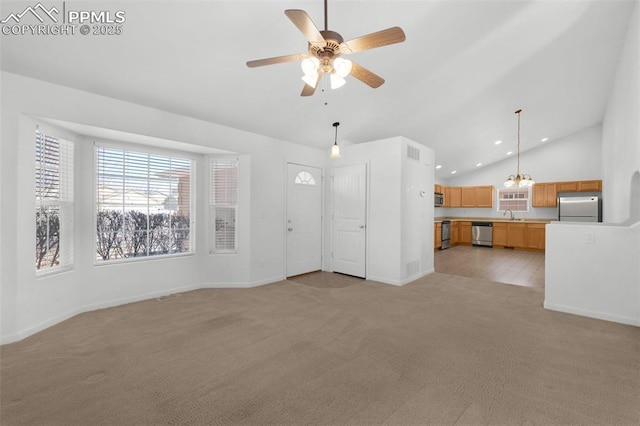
x=493, y=219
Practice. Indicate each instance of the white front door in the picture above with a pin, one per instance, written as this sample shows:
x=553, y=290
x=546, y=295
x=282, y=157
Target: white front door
x=304, y=219
x=349, y=219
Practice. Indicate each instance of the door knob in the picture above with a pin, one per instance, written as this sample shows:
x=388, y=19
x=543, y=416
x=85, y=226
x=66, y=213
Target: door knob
x=290, y=229
x=361, y=226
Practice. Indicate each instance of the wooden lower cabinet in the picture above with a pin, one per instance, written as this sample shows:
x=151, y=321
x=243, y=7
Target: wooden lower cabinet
x=465, y=232
x=535, y=237
x=516, y=236
x=455, y=233
x=500, y=234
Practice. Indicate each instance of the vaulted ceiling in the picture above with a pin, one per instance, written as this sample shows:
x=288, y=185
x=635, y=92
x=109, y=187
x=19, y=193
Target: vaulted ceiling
x=453, y=85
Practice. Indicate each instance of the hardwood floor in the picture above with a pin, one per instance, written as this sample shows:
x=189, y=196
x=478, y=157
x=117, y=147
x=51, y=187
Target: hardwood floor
x=509, y=266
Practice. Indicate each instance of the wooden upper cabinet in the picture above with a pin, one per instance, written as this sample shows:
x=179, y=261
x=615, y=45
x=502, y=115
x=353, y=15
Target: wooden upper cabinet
x=539, y=198
x=484, y=196
x=590, y=185
x=455, y=196
x=551, y=194
x=566, y=186
x=437, y=189
x=446, y=191
x=544, y=195
x=468, y=196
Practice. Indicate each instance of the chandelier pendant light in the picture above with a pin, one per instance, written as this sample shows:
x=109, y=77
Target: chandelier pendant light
x=520, y=179
x=335, y=149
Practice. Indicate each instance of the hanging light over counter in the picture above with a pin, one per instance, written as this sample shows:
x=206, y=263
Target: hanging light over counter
x=520, y=179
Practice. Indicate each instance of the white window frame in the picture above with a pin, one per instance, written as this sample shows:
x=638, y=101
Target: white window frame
x=53, y=191
x=153, y=156
x=223, y=205
x=518, y=200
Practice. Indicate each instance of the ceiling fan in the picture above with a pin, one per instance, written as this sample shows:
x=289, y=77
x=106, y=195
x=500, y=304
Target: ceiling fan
x=325, y=50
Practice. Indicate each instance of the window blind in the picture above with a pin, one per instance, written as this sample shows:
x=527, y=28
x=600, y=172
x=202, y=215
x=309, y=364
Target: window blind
x=54, y=202
x=223, y=203
x=143, y=204
x=514, y=199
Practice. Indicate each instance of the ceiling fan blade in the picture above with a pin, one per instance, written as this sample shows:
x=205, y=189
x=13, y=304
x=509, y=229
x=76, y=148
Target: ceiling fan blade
x=378, y=39
x=275, y=60
x=366, y=76
x=309, y=90
x=301, y=20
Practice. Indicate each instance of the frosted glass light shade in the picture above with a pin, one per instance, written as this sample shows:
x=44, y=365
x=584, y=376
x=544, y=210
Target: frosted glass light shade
x=337, y=81
x=311, y=80
x=342, y=66
x=310, y=66
x=335, y=151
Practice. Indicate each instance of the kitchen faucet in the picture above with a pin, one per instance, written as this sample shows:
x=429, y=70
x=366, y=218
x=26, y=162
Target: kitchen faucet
x=510, y=212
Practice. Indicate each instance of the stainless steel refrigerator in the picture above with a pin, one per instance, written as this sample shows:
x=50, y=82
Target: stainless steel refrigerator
x=580, y=206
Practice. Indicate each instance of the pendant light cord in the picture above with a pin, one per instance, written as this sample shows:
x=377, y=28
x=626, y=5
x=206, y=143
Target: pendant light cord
x=518, y=112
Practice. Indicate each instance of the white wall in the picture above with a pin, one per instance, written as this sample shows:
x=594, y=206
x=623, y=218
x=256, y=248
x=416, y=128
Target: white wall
x=395, y=232
x=621, y=129
x=574, y=157
x=29, y=304
x=593, y=269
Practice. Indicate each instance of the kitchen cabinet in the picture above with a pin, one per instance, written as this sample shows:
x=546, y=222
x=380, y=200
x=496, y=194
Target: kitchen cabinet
x=465, y=232
x=437, y=235
x=455, y=196
x=437, y=189
x=535, y=236
x=455, y=232
x=567, y=186
x=545, y=195
x=484, y=196
x=500, y=231
x=516, y=235
x=468, y=196
x=590, y=185
x=446, y=191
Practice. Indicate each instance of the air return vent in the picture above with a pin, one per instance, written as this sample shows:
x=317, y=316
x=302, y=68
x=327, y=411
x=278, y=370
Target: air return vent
x=412, y=268
x=413, y=153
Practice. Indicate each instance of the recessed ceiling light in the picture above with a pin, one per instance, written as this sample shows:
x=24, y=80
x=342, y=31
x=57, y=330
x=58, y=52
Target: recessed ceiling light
x=510, y=152
x=479, y=164
x=439, y=166
x=454, y=172
x=544, y=139
x=497, y=142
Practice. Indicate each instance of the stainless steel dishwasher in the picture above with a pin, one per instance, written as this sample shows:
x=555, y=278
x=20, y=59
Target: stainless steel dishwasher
x=482, y=234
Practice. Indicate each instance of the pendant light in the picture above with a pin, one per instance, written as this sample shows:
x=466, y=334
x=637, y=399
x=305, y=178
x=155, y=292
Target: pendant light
x=335, y=149
x=520, y=179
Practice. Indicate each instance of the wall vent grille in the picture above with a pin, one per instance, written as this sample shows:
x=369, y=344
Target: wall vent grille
x=412, y=268
x=413, y=153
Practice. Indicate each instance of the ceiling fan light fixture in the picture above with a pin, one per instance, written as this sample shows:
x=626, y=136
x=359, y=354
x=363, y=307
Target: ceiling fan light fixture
x=337, y=81
x=310, y=80
x=342, y=66
x=310, y=66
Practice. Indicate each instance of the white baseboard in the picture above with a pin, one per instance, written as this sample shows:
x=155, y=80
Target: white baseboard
x=592, y=314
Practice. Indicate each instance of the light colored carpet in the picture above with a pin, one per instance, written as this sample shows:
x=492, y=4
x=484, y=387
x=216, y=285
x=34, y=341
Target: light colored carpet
x=441, y=350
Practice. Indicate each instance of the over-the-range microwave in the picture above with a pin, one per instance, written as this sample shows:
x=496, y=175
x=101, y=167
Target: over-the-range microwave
x=438, y=199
